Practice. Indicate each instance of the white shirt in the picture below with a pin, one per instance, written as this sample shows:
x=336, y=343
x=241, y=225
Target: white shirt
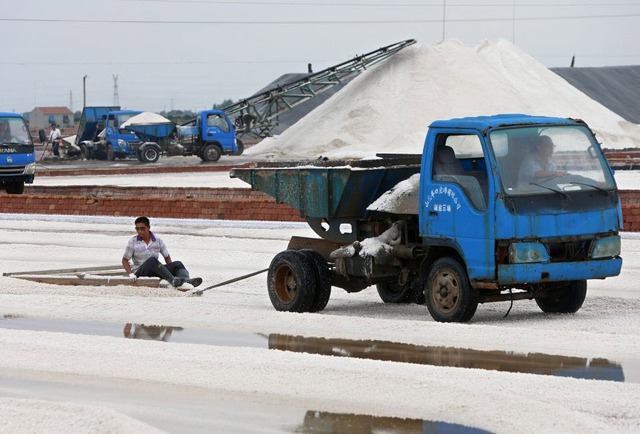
x=139, y=251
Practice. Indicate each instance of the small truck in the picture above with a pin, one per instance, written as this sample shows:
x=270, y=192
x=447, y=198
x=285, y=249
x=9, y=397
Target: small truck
x=468, y=221
x=17, y=154
x=209, y=136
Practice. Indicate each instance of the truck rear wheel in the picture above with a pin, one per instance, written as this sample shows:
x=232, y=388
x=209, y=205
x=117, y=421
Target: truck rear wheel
x=448, y=293
x=111, y=155
x=211, y=153
x=291, y=282
x=567, y=298
x=148, y=154
x=85, y=152
x=323, y=280
x=15, y=187
x=394, y=293
x=240, y=146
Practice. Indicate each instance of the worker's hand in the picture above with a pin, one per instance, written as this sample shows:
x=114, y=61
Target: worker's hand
x=133, y=276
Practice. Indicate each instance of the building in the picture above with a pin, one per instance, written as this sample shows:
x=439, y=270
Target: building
x=43, y=117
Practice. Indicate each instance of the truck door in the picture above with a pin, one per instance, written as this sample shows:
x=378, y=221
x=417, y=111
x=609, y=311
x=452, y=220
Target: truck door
x=456, y=210
x=217, y=128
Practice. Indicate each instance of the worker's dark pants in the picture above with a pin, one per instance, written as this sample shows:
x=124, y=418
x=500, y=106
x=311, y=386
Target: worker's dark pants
x=154, y=268
x=55, y=147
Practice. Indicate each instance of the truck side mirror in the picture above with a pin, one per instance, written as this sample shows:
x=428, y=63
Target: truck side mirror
x=42, y=136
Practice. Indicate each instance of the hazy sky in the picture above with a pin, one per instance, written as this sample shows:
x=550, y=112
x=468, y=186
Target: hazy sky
x=190, y=54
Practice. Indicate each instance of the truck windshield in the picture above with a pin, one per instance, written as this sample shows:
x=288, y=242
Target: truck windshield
x=13, y=131
x=550, y=160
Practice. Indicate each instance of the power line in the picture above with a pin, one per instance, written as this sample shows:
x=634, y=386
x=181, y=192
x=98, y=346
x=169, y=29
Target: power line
x=305, y=22
x=432, y=5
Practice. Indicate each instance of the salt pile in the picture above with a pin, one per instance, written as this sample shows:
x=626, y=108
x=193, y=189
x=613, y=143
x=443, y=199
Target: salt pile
x=388, y=108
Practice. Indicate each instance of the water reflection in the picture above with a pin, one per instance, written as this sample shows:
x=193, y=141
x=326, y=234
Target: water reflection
x=325, y=422
x=148, y=332
x=533, y=363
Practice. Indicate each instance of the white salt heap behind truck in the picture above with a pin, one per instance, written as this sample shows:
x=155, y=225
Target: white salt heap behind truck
x=388, y=107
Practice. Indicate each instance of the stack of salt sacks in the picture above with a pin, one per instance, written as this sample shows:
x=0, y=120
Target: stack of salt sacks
x=387, y=109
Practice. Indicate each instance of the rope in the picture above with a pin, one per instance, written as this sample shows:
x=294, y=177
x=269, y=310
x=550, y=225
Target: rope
x=226, y=282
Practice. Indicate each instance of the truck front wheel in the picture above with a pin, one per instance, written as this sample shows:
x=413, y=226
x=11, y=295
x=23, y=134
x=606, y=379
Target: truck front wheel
x=448, y=293
x=15, y=187
x=211, y=153
x=292, y=282
x=567, y=298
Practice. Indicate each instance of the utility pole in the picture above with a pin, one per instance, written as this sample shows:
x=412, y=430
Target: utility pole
x=116, y=97
x=444, y=18
x=84, y=91
x=70, y=100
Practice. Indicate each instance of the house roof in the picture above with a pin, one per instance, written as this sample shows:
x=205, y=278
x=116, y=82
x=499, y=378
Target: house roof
x=54, y=110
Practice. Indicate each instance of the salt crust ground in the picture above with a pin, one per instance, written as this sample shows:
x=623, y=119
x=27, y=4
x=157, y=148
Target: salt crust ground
x=604, y=328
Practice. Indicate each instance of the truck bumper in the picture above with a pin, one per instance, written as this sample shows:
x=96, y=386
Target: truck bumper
x=558, y=271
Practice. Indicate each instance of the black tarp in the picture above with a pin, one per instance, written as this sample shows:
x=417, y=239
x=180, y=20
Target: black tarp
x=615, y=87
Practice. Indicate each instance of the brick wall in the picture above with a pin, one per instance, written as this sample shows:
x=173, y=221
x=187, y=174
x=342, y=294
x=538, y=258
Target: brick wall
x=200, y=203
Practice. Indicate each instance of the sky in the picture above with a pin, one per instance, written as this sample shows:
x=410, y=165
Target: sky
x=191, y=54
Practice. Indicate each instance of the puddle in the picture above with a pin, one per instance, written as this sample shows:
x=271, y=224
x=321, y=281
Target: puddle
x=324, y=422
x=532, y=363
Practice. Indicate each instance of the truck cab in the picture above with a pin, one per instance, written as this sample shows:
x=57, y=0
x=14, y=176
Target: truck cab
x=17, y=154
x=118, y=142
x=515, y=202
x=210, y=136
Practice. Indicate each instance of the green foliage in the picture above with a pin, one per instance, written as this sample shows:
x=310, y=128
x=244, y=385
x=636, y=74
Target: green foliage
x=219, y=106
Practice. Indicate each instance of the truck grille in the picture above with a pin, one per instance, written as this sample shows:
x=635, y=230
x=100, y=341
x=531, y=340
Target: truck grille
x=568, y=251
x=11, y=171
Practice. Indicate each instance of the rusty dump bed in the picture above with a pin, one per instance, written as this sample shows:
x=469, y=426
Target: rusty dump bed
x=330, y=189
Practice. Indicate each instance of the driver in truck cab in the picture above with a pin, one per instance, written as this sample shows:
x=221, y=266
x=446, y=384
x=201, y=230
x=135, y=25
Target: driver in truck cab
x=539, y=165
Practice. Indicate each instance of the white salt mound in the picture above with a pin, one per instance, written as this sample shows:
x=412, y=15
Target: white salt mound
x=388, y=108
x=145, y=118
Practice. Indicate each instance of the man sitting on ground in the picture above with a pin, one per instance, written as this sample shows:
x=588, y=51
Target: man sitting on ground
x=144, y=249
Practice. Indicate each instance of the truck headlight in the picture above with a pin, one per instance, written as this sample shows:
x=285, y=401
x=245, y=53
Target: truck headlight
x=122, y=143
x=607, y=247
x=526, y=253
x=30, y=169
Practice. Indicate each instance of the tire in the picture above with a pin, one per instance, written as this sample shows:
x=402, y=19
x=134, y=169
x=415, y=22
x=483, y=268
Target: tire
x=15, y=187
x=323, y=280
x=394, y=293
x=291, y=282
x=85, y=152
x=111, y=155
x=149, y=154
x=240, y=146
x=567, y=298
x=448, y=293
x=211, y=153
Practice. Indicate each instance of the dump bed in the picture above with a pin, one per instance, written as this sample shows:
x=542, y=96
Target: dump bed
x=333, y=190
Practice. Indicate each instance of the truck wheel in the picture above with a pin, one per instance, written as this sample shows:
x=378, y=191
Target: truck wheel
x=240, y=146
x=85, y=152
x=211, y=153
x=323, y=280
x=448, y=293
x=567, y=298
x=149, y=154
x=291, y=282
x=111, y=155
x=15, y=187
x=394, y=293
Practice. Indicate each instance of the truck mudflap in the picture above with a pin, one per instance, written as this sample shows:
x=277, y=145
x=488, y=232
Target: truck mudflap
x=558, y=271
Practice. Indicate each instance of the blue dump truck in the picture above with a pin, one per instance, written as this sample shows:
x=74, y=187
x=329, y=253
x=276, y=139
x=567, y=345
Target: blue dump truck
x=209, y=136
x=17, y=154
x=100, y=136
x=496, y=208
